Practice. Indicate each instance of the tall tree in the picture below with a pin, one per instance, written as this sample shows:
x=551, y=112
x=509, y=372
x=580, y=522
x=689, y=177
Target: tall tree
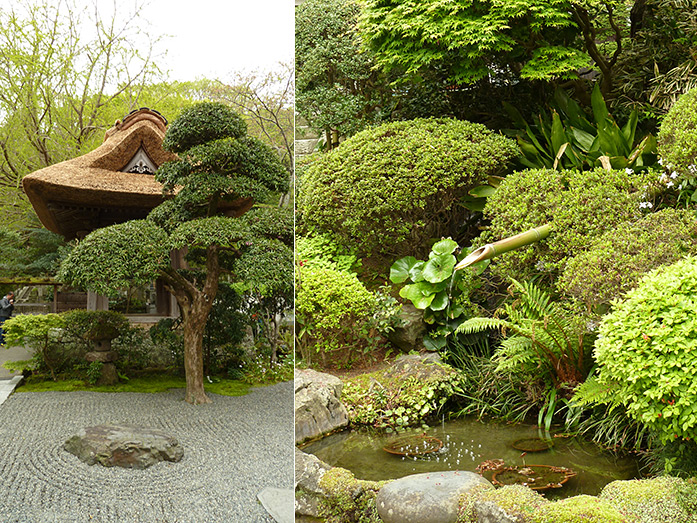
x=62, y=72
x=220, y=172
x=495, y=41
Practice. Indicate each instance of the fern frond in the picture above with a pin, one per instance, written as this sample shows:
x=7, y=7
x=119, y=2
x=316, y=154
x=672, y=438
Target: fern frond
x=474, y=325
x=592, y=392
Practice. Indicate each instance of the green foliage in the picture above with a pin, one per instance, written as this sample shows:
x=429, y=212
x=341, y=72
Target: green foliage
x=394, y=400
x=95, y=325
x=646, y=351
x=437, y=289
x=657, y=64
x=579, y=207
x=541, y=343
x=468, y=40
x=29, y=252
x=391, y=188
x=569, y=140
x=44, y=334
x=225, y=328
x=94, y=372
x=677, y=145
x=333, y=312
x=516, y=500
x=616, y=261
x=123, y=255
x=201, y=123
x=348, y=500
x=321, y=249
x=482, y=390
x=338, y=88
x=259, y=371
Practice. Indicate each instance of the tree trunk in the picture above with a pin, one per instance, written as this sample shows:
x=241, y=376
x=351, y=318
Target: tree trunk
x=194, y=324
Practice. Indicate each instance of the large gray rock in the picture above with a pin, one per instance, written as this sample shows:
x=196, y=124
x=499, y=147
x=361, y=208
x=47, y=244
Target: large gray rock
x=318, y=409
x=409, y=333
x=431, y=497
x=308, y=493
x=125, y=446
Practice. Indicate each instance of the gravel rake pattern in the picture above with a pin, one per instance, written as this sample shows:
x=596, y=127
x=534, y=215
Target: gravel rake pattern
x=233, y=449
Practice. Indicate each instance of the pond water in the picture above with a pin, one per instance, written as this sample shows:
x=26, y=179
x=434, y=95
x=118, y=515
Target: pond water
x=469, y=442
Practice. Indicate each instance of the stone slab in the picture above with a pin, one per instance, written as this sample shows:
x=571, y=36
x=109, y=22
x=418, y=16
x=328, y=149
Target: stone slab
x=279, y=503
x=7, y=387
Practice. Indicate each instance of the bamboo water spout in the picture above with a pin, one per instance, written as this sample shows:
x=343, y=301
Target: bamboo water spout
x=490, y=250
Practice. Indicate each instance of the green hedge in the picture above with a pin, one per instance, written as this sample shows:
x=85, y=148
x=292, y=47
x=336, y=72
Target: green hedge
x=390, y=189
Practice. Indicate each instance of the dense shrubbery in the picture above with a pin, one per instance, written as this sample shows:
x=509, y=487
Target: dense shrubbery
x=391, y=188
x=677, y=140
x=617, y=260
x=580, y=207
x=333, y=312
x=647, y=353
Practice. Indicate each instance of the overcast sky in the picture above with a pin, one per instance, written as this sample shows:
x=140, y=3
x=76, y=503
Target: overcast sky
x=200, y=38
x=211, y=38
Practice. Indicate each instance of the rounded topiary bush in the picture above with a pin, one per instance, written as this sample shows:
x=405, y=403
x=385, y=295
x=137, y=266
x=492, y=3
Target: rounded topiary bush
x=389, y=189
x=203, y=122
x=677, y=139
x=580, y=206
x=647, y=351
x=616, y=261
x=333, y=310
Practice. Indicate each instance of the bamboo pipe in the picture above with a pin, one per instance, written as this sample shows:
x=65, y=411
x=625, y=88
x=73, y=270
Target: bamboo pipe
x=490, y=250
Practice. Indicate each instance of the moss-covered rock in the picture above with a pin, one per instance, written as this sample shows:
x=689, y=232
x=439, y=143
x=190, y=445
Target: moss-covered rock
x=348, y=499
x=405, y=394
x=579, y=509
x=653, y=500
x=513, y=503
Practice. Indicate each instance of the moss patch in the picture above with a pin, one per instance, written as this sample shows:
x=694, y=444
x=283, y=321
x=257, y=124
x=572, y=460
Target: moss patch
x=579, y=509
x=150, y=384
x=664, y=499
x=349, y=499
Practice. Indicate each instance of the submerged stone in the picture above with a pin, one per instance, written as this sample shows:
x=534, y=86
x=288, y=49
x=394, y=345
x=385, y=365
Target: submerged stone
x=125, y=446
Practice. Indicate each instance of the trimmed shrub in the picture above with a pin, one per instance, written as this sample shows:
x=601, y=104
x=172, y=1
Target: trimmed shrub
x=580, y=206
x=390, y=189
x=579, y=509
x=617, y=260
x=677, y=139
x=201, y=123
x=647, y=352
x=333, y=313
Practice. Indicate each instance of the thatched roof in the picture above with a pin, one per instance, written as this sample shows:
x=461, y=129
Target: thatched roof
x=74, y=197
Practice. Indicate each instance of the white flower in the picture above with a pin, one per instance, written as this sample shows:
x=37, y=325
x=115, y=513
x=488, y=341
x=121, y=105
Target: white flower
x=645, y=205
x=629, y=171
x=660, y=161
x=669, y=184
x=673, y=175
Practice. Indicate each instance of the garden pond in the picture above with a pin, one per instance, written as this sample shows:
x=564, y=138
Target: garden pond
x=466, y=444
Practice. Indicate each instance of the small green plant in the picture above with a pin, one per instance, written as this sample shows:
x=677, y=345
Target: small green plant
x=437, y=289
x=542, y=343
x=392, y=401
x=43, y=334
x=569, y=140
x=646, y=352
x=94, y=371
x=95, y=325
